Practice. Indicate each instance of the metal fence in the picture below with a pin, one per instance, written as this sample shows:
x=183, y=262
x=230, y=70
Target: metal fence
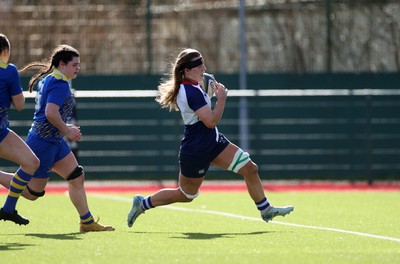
x=127, y=37
x=351, y=134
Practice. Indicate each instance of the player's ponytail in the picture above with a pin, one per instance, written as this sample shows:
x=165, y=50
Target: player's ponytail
x=44, y=68
x=168, y=89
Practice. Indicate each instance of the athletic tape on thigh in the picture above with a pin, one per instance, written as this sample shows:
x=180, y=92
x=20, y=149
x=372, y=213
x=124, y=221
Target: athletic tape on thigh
x=189, y=196
x=239, y=160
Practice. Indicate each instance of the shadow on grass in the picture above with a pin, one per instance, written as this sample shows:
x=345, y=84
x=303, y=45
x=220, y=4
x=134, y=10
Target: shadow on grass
x=14, y=246
x=208, y=236
x=21, y=246
x=70, y=236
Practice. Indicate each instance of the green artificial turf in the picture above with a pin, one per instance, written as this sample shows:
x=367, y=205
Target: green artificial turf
x=214, y=228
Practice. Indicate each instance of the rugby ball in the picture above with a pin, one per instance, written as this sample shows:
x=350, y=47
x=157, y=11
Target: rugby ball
x=209, y=84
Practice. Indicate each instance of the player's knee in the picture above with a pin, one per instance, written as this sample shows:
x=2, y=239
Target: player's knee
x=34, y=195
x=77, y=172
x=35, y=163
x=31, y=164
x=252, y=168
x=250, y=171
x=189, y=197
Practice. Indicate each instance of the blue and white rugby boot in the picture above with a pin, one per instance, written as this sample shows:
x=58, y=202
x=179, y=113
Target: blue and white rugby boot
x=136, y=209
x=272, y=211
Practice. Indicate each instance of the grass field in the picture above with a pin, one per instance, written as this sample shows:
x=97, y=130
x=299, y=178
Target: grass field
x=326, y=227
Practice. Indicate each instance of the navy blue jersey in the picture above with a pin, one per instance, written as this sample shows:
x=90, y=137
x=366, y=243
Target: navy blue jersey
x=54, y=88
x=10, y=85
x=198, y=139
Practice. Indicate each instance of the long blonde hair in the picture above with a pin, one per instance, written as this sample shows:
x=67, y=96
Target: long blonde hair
x=62, y=53
x=169, y=86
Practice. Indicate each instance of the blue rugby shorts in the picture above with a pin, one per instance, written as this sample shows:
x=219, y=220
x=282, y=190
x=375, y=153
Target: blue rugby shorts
x=48, y=153
x=3, y=133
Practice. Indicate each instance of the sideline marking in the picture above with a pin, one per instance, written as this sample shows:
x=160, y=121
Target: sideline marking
x=176, y=208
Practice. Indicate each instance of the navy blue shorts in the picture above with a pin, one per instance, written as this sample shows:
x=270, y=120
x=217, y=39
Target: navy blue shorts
x=197, y=166
x=48, y=153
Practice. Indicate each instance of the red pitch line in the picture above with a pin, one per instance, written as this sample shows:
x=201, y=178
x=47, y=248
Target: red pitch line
x=226, y=186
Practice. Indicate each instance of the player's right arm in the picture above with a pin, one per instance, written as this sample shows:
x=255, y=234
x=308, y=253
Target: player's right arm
x=53, y=116
x=211, y=117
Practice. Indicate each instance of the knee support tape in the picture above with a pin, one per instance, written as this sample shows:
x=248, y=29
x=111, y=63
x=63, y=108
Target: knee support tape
x=35, y=193
x=239, y=160
x=189, y=196
x=76, y=173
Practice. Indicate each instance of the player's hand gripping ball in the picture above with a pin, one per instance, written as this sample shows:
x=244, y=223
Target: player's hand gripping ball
x=209, y=84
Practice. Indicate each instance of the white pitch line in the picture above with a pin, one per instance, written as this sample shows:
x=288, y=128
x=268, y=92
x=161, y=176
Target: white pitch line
x=176, y=208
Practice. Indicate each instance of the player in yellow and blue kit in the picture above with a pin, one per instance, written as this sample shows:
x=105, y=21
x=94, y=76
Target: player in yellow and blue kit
x=54, y=104
x=12, y=147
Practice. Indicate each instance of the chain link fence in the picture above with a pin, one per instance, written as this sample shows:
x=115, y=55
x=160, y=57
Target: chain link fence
x=141, y=36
